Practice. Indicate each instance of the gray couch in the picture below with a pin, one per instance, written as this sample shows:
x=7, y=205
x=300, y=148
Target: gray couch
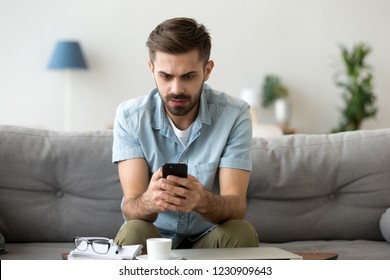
x=308, y=193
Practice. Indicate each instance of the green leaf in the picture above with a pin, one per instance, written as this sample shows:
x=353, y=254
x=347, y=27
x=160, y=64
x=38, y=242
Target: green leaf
x=357, y=89
x=272, y=90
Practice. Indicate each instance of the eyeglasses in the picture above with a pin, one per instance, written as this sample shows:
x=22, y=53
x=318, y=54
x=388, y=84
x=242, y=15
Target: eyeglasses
x=100, y=245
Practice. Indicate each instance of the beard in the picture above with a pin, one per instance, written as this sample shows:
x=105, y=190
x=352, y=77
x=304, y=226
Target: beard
x=179, y=111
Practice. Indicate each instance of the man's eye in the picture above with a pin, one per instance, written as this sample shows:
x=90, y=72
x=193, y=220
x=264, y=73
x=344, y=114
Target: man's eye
x=188, y=77
x=165, y=77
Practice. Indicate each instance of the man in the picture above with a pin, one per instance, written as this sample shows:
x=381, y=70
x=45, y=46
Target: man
x=184, y=120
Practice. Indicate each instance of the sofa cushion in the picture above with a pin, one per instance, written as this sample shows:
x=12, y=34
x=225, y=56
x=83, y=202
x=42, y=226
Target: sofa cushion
x=57, y=185
x=311, y=187
x=2, y=244
x=37, y=251
x=384, y=224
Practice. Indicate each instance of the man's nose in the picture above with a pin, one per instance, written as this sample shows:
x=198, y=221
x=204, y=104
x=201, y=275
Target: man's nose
x=176, y=86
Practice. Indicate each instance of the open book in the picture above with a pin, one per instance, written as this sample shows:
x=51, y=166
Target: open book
x=114, y=253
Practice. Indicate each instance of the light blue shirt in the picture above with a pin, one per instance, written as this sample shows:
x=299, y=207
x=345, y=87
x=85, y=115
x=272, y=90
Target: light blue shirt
x=221, y=136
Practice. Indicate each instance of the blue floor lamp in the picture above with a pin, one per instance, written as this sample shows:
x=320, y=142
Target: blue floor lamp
x=68, y=56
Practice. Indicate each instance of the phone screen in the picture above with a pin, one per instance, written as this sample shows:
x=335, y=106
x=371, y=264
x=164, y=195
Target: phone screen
x=176, y=169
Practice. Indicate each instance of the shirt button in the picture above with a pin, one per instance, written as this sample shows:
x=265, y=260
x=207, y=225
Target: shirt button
x=59, y=194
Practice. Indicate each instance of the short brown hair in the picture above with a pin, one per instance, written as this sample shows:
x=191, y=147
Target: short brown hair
x=178, y=36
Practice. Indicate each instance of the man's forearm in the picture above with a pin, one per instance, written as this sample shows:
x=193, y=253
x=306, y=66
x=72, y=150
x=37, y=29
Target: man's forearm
x=218, y=209
x=135, y=209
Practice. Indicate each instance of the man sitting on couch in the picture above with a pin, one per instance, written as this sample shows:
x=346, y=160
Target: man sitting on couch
x=184, y=120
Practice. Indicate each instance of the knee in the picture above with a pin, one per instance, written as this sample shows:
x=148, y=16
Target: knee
x=243, y=232
x=136, y=232
x=137, y=226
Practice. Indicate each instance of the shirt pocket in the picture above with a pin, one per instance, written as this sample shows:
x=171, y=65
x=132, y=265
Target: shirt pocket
x=206, y=172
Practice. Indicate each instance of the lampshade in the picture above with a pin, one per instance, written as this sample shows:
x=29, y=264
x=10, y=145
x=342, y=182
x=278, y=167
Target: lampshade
x=67, y=55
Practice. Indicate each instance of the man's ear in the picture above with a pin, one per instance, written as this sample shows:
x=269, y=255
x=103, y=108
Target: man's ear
x=151, y=66
x=209, y=67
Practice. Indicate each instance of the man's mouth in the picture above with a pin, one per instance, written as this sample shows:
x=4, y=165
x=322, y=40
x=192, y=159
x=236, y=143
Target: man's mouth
x=178, y=100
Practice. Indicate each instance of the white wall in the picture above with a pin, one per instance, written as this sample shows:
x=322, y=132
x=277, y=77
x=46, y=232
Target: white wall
x=296, y=40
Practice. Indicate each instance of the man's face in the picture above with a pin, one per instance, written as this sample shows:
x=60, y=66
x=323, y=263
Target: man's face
x=179, y=79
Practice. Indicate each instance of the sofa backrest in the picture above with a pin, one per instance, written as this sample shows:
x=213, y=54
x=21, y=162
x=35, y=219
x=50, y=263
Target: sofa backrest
x=56, y=185
x=307, y=187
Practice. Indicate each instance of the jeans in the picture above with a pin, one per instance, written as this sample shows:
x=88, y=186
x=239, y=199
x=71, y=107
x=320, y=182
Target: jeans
x=231, y=234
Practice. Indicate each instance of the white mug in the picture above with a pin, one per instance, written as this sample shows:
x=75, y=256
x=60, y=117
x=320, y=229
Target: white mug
x=159, y=248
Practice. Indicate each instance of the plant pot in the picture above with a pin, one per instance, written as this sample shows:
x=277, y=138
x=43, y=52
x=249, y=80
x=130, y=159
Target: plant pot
x=282, y=112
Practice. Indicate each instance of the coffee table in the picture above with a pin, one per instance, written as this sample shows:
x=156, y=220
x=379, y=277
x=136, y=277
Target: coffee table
x=304, y=255
x=250, y=253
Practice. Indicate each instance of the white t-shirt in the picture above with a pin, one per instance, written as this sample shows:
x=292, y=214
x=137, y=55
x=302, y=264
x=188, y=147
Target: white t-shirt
x=183, y=135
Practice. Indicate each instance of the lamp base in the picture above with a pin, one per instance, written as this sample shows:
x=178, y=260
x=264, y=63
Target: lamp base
x=67, y=100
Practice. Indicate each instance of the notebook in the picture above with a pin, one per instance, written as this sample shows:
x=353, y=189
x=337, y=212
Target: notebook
x=124, y=253
x=252, y=253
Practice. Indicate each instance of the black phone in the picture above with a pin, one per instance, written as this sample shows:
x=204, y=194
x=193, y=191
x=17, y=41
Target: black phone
x=176, y=169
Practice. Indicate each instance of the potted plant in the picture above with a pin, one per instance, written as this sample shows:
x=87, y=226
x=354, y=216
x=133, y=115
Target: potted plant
x=357, y=88
x=274, y=93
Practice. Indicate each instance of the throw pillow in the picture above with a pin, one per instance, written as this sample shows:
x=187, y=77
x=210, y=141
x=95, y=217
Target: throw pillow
x=384, y=224
x=2, y=244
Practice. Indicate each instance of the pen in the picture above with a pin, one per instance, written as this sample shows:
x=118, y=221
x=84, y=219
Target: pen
x=118, y=249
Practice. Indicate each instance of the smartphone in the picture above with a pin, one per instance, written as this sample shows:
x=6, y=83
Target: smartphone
x=176, y=169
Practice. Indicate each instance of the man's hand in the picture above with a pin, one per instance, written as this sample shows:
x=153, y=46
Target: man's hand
x=145, y=197
x=181, y=194
x=170, y=194
x=193, y=196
